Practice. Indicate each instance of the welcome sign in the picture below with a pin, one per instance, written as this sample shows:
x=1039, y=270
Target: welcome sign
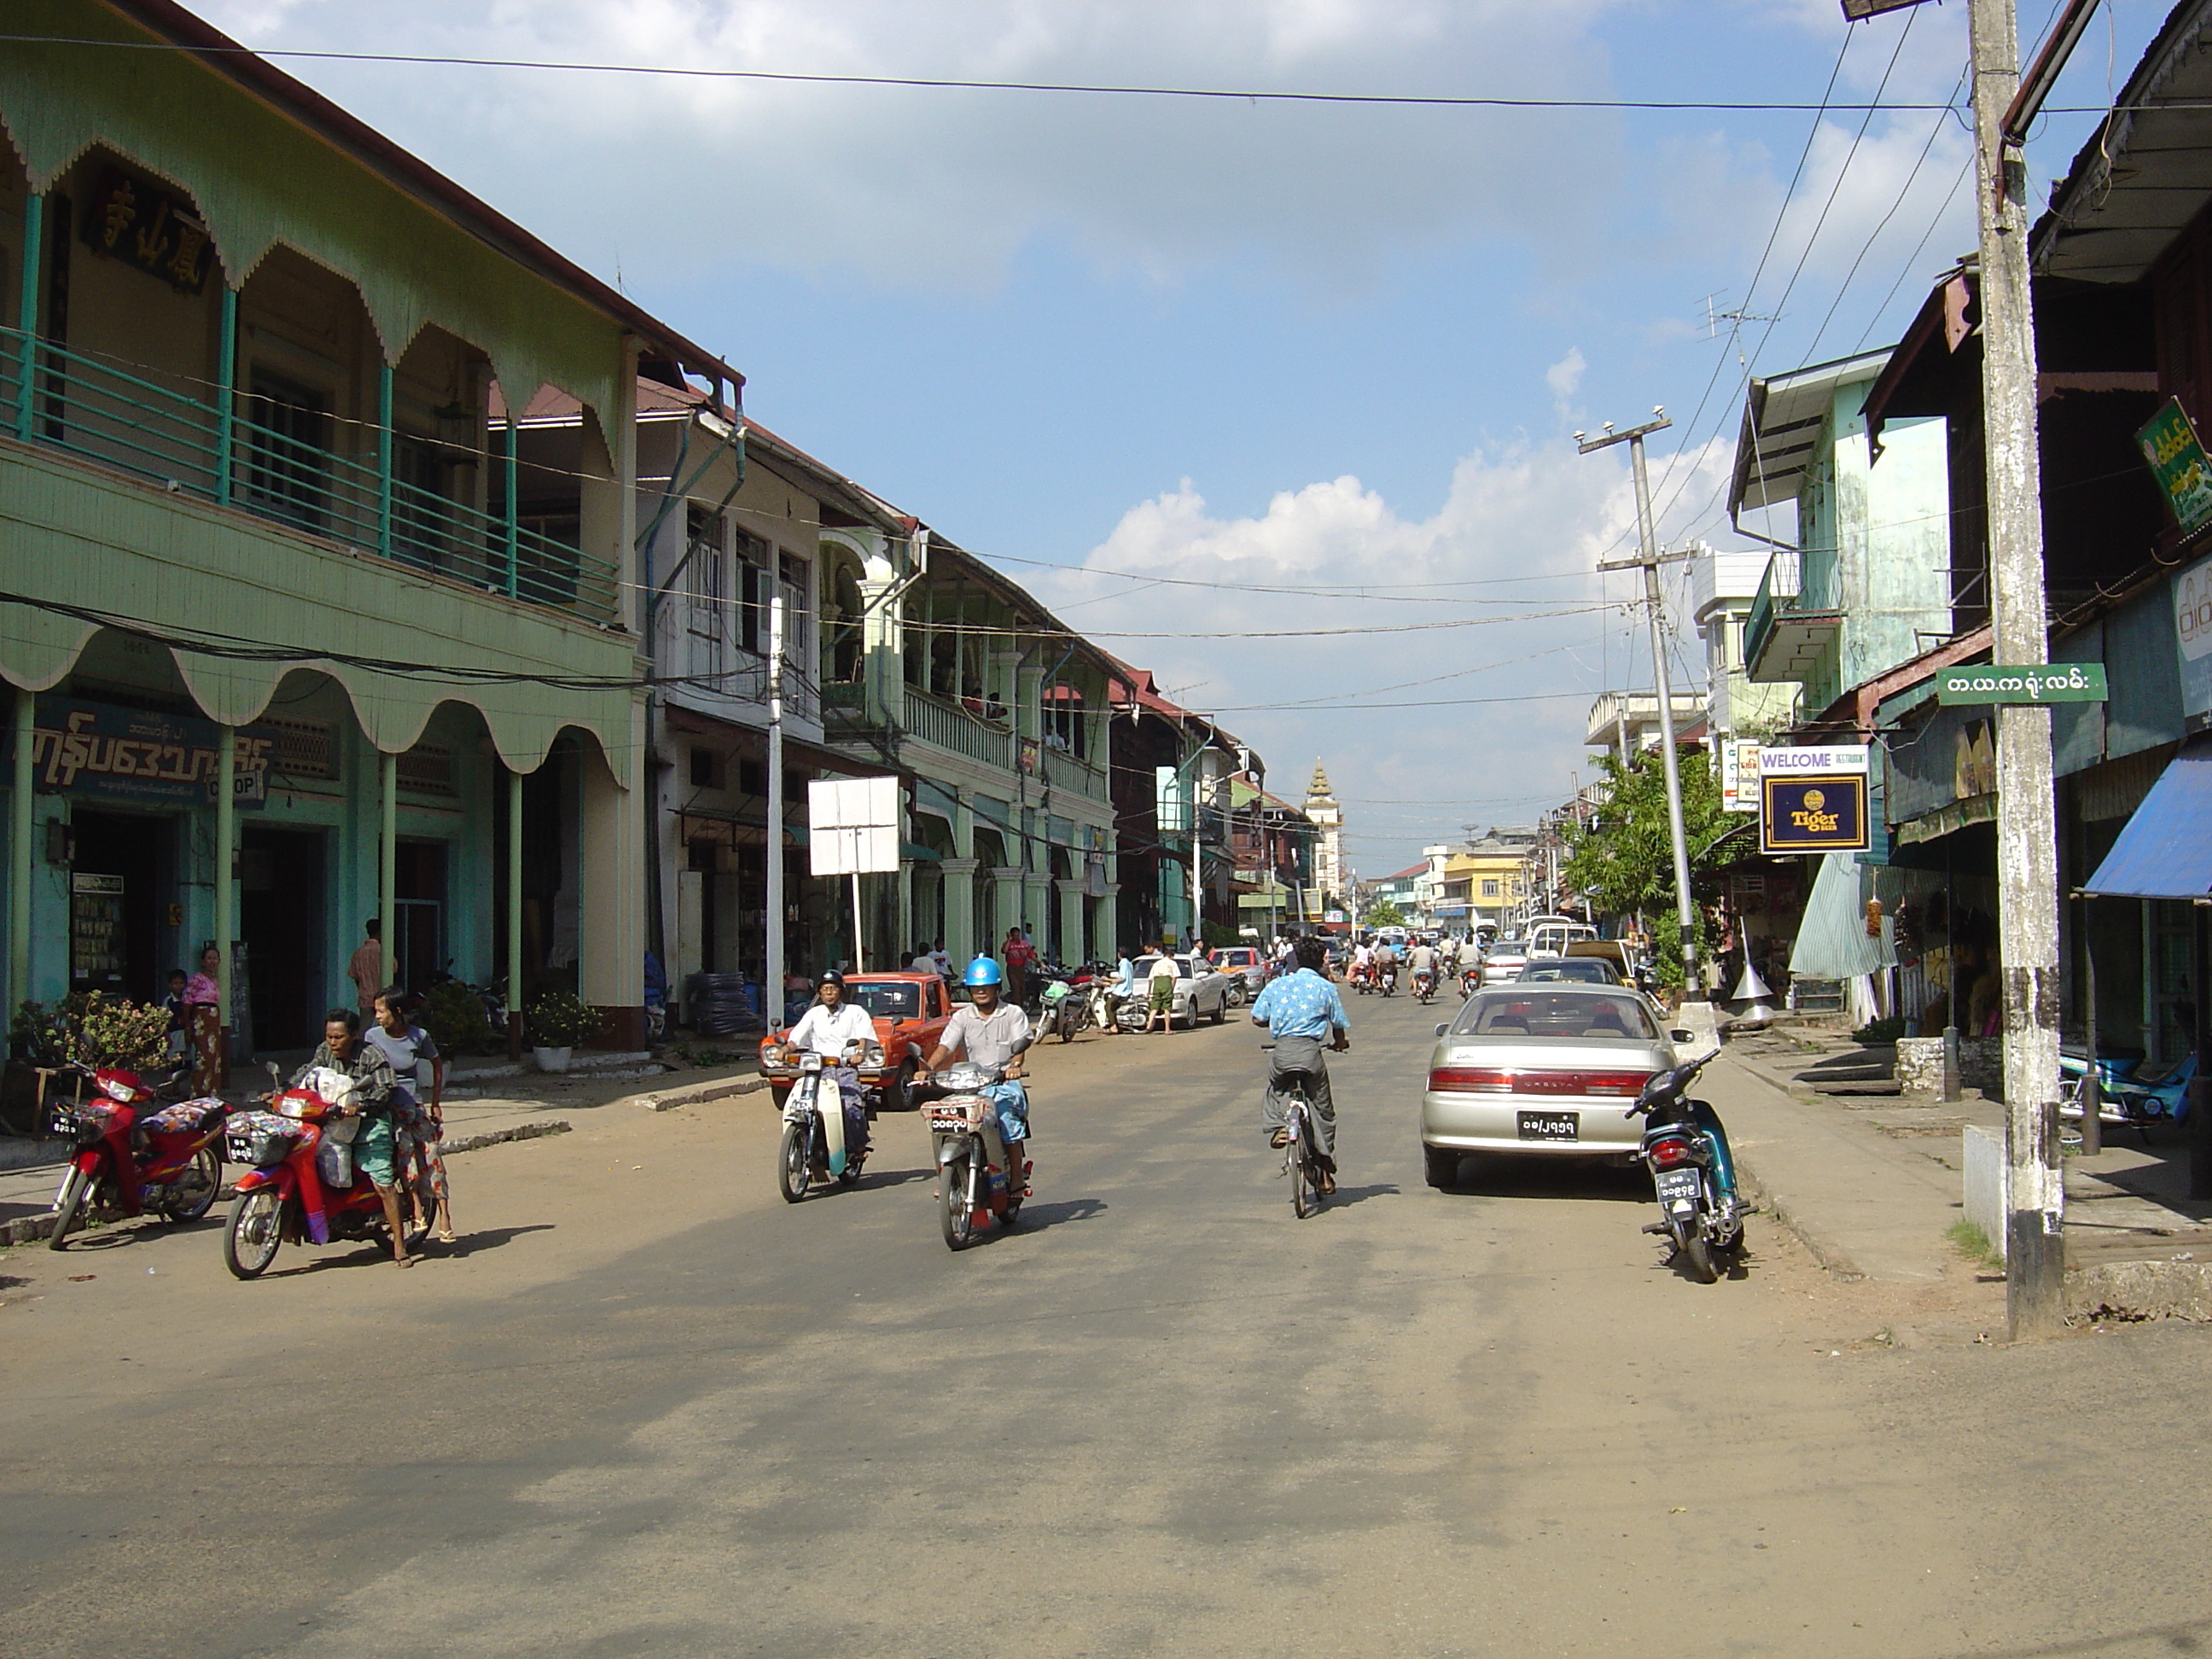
x=1813, y=800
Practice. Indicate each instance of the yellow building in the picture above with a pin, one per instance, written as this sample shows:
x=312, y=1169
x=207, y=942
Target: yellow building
x=1495, y=871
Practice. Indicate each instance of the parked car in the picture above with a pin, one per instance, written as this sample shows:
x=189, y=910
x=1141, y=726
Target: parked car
x=1541, y=1070
x=1503, y=962
x=911, y=1012
x=1247, y=969
x=1200, y=988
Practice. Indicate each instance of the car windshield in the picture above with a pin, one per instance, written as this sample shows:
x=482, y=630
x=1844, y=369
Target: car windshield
x=1584, y=1015
x=887, y=999
x=1587, y=970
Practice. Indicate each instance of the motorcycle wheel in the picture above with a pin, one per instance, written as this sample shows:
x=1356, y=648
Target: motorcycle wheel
x=1697, y=1251
x=792, y=1175
x=1067, y=1022
x=952, y=1204
x=196, y=1190
x=255, y=1229
x=851, y=1177
x=68, y=1207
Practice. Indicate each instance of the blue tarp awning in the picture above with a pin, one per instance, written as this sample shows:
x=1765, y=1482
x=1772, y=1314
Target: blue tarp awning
x=2166, y=850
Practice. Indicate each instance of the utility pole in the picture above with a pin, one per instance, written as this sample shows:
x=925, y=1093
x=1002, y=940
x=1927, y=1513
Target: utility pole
x=772, y=973
x=1648, y=561
x=2027, y=840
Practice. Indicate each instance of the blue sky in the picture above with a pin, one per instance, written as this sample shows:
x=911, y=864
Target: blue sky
x=1322, y=347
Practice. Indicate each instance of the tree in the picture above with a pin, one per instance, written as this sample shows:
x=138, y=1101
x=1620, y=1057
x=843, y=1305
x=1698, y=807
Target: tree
x=1622, y=858
x=1383, y=913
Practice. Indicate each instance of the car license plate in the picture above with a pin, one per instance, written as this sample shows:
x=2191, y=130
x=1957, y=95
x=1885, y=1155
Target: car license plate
x=1550, y=1125
x=1678, y=1189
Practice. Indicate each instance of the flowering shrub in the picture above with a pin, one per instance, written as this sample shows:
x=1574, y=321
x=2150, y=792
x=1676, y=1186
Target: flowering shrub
x=89, y=1028
x=559, y=1020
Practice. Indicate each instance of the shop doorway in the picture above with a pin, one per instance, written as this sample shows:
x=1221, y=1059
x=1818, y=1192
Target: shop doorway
x=419, y=930
x=121, y=883
x=282, y=920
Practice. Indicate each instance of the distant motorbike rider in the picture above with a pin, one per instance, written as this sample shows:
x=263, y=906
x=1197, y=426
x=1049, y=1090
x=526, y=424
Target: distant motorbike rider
x=987, y=1031
x=1384, y=963
x=1423, y=959
x=827, y=1029
x=1302, y=1010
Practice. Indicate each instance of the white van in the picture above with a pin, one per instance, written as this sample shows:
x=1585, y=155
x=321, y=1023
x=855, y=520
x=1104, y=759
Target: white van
x=1549, y=936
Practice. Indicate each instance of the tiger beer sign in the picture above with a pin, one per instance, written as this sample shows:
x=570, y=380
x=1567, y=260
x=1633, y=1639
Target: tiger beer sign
x=1813, y=801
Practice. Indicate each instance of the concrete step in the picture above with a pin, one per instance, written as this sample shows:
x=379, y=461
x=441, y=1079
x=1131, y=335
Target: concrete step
x=20, y=1152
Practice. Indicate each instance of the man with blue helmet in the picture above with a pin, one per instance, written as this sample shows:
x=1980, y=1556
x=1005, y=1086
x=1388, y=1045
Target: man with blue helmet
x=992, y=1033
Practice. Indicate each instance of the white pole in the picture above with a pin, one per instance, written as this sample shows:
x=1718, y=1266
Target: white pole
x=860, y=955
x=772, y=972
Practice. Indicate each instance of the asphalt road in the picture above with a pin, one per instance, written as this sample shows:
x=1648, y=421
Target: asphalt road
x=645, y=1408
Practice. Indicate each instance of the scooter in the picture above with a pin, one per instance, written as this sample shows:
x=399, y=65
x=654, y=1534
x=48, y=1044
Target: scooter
x=1685, y=1149
x=1424, y=984
x=1066, y=1009
x=1386, y=978
x=2128, y=1094
x=814, y=1126
x=973, y=1190
x=133, y=1153
x=1470, y=980
x=1362, y=978
x=301, y=1187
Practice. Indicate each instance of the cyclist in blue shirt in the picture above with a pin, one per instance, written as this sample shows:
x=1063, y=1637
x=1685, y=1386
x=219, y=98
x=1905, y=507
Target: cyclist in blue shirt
x=1302, y=1010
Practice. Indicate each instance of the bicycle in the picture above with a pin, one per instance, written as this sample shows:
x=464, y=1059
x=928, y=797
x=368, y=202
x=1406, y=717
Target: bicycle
x=1302, y=1160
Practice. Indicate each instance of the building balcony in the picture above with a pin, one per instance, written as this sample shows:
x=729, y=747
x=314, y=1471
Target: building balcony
x=1781, y=642
x=1063, y=770
x=91, y=411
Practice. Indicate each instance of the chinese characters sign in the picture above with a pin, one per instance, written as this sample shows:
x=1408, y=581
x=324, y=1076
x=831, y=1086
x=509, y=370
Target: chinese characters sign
x=131, y=221
x=2169, y=444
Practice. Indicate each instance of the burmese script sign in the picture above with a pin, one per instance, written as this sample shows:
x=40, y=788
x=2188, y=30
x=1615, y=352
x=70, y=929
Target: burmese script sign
x=98, y=751
x=2169, y=444
x=2059, y=681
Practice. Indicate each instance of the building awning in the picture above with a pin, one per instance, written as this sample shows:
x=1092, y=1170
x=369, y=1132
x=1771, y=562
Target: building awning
x=2166, y=851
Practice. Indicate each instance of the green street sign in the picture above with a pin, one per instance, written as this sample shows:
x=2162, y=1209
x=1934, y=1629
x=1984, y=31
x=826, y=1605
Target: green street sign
x=2169, y=444
x=2057, y=682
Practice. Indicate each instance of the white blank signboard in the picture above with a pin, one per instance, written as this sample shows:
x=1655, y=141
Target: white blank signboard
x=853, y=825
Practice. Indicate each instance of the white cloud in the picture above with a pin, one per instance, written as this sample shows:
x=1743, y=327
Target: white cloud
x=1565, y=376
x=941, y=188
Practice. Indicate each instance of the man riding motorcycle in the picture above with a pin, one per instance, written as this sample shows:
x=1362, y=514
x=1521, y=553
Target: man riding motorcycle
x=826, y=1029
x=1423, y=959
x=1303, y=1009
x=986, y=1029
x=1384, y=964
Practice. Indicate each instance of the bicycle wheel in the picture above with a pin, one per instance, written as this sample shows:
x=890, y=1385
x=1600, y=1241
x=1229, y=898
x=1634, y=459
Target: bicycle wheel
x=1304, y=1201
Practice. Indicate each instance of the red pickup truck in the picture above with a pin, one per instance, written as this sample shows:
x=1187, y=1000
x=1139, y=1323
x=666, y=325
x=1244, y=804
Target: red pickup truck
x=911, y=1012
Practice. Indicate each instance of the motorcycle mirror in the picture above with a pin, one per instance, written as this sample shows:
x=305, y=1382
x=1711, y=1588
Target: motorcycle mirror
x=273, y=1072
x=1683, y=1037
x=1022, y=1042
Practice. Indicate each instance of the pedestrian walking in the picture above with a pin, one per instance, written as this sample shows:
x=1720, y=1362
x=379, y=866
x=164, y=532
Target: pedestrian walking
x=418, y=1123
x=367, y=970
x=1162, y=981
x=204, y=1020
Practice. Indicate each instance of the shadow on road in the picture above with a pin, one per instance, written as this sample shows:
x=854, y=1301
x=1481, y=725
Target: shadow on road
x=1344, y=1197
x=1553, y=1178
x=1036, y=1218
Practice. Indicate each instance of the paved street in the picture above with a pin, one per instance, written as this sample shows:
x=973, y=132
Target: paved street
x=646, y=1408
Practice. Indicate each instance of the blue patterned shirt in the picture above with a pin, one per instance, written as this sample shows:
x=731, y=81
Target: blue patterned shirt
x=1300, y=1005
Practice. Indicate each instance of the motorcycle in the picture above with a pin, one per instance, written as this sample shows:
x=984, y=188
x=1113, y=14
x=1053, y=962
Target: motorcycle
x=814, y=1126
x=1424, y=984
x=1692, y=1173
x=1067, y=1010
x=1470, y=980
x=1361, y=978
x=1386, y=978
x=2130, y=1095
x=300, y=1187
x=974, y=1190
x=133, y=1152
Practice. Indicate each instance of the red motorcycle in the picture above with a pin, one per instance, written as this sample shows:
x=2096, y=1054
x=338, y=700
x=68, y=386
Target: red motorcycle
x=295, y=1191
x=133, y=1153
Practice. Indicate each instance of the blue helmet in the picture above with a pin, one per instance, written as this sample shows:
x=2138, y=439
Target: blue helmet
x=982, y=971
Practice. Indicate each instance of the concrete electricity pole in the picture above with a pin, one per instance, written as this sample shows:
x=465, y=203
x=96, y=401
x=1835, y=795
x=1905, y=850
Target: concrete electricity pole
x=2027, y=843
x=1648, y=561
x=772, y=971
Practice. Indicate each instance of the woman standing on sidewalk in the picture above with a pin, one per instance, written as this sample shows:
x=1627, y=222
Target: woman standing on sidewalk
x=421, y=1126
x=203, y=1023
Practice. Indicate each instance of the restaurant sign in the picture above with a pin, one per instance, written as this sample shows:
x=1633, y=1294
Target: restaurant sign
x=102, y=752
x=2169, y=444
x=1814, y=814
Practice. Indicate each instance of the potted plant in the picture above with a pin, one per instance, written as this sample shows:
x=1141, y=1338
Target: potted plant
x=556, y=1022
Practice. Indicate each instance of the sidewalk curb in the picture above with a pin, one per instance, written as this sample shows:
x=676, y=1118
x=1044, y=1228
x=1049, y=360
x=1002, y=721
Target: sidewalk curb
x=1833, y=1257
x=33, y=1229
x=698, y=1095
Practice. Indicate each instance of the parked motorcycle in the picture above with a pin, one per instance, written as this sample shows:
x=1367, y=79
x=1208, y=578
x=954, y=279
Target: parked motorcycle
x=814, y=1126
x=300, y=1187
x=2129, y=1094
x=1692, y=1173
x=133, y=1152
x=974, y=1190
x=1066, y=1009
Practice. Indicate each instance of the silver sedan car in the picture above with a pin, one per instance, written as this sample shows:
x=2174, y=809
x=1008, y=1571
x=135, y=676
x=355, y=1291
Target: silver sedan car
x=1547, y=1070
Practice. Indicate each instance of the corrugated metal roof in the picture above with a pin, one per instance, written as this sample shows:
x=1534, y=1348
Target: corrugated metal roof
x=2166, y=851
x=1781, y=421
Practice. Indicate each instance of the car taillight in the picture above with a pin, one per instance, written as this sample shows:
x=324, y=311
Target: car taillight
x=1666, y=1154
x=1467, y=1080
x=1616, y=1083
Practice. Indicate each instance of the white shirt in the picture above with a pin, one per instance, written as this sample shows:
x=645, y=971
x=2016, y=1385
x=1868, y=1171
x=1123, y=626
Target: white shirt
x=827, y=1031
x=922, y=964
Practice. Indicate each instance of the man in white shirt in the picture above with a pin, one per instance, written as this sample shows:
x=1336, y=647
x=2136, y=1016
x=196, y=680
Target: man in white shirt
x=923, y=962
x=828, y=1028
x=992, y=1033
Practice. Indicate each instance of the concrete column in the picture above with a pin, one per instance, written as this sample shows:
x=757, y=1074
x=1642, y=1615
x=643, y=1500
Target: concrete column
x=226, y=856
x=1006, y=902
x=387, y=863
x=1036, y=909
x=19, y=826
x=514, y=974
x=959, y=898
x=1105, y=919
x=611, y=949
x=903, y=945
x=1073, y=949
x=1029, y=705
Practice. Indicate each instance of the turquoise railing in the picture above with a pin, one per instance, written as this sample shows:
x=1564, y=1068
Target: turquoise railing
x=948, y=728
x=90, y=407
x=1065, y=771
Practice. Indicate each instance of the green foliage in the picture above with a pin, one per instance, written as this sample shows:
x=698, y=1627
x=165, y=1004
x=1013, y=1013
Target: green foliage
x=453, y=1015
x=89, y=1028
x=1974, y=1244
x=1887, y=1029
x=1623, y=860
x=1383, y=913
x=560, y=1019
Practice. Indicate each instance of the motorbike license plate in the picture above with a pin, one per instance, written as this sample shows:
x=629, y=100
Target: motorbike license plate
x=1550, y=1125
x=948, y=1123
x=1678, y=1189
